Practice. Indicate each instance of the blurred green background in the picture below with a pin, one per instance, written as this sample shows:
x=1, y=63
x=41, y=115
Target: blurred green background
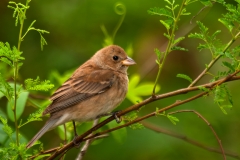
x=75, y=35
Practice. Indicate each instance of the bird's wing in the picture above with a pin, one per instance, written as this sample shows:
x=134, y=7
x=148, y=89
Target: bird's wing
x=80, y=87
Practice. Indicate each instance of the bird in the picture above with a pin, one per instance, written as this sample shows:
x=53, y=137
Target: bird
x=96, y=88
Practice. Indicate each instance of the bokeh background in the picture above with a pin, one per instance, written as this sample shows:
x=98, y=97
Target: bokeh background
x=75, y=35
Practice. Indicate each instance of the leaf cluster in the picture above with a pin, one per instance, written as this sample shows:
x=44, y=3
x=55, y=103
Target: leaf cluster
x=37, y=85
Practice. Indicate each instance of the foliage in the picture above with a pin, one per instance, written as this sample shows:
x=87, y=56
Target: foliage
x=21, y=95
x=16, y=95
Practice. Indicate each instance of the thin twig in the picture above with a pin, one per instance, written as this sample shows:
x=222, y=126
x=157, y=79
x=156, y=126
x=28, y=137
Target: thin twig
x=199, y=12
x=205, y=120
x=44, y=152
x=186, y=139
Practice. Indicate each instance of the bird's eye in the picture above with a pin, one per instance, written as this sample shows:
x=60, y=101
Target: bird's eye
x=115, y=58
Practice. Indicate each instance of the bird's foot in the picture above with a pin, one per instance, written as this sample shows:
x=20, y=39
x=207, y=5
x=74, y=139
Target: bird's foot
x=118, y=119
x=76, y=144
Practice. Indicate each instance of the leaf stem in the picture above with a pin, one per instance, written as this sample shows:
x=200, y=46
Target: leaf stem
x=168, y=50
x=213, y=61
x=16, y=74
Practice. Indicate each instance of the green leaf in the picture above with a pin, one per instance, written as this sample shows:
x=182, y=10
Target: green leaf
x=184, y=77
x=145, y=89
x=202, y=46
x=228, y=24
x=165, y=24
x=215, y=34
x=203, y=28
x=129, y=50
x=225, y=106
x=174, y=48
x=178, y=40
x=203, y=89
x=7, y=61
x=136, y=90
x=21, y=102
x=5, y=88
x=166, y=35
x=160, y=12
x=37, y=85
x=195, y=35
x=158, y=53
x=7, y=129
x=206, y=2
x=184, y=12
x=172, y=119
x=228, y=65
x=133, y=82
x=222, y=97
x=35, y=116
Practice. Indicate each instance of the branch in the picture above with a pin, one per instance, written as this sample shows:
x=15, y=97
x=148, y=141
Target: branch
x=213, y=61
x=205, y=120
x=200, y=12
x=186, y=139
x=82, y=138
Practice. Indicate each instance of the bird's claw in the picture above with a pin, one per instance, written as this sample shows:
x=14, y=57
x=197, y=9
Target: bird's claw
x=77, y=145
x=118, y=119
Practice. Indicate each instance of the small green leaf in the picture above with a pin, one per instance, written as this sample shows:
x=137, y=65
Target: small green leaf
x=134, y=80
x=203, y=28
x=228, y=24
x=166, y=35
x=184, y=77
x=173, y=119
x=184, y=12
x=215, y=34
x=6, y=128
x=129, y=50
x=21, y=102
x=203, y=89
x=174, y=48
x=158, y=53
x=195, y=35
x=37, y=85
x=228, y=65
x=206, y=2
x=178, y=40
x=166, y=25
x=145, y=89
x=160, y=12
x=136, y=91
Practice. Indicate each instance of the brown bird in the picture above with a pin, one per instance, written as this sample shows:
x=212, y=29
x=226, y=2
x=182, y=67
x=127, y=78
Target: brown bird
x=95, y=88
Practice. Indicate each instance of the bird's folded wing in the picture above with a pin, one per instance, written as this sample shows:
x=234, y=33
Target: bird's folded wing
x=79, y=88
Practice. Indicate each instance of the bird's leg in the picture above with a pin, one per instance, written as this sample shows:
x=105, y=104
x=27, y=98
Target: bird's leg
x=75, y=135
x=118, y=119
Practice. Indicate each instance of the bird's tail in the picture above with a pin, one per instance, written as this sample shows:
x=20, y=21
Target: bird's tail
x=49, y=125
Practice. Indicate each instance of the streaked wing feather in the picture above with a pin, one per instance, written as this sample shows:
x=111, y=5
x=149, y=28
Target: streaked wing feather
x=79, y=88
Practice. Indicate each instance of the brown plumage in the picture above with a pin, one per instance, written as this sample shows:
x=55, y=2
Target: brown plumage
x=94, y=89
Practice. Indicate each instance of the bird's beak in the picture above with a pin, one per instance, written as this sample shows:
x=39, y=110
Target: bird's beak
x=128, y=62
